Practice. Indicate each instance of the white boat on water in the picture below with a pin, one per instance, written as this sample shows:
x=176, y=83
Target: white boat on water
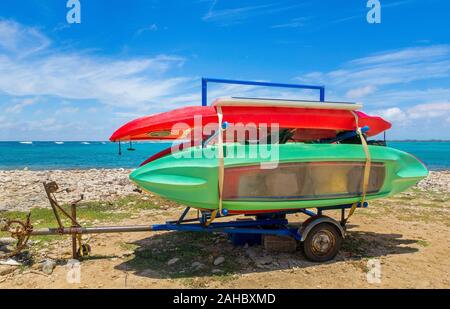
x=59, y=143
x=27, y=143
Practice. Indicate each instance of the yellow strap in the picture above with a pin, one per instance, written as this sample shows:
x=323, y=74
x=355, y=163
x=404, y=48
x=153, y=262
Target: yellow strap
x=80, y=245
x=220, y=157
x=366, y=167
x=213, y=216
x=220, y=164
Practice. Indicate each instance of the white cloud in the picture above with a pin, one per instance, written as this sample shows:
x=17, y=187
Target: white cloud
x=294, y=23
x=409, y=96
x=17, y=107
x=80, y=75
x=67, y=110
x=360, y=92
x=20, y=40
x=393, y=114
x=227, y=16
x=427, y=111
x=232, y=14
x=407, y=55
x=151, y=28
x=388, y=68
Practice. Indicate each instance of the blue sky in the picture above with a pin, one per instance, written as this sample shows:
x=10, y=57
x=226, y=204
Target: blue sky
x=61, y=81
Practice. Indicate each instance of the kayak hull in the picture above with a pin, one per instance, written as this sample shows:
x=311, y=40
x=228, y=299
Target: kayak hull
x=174, y=124
x=281, y=177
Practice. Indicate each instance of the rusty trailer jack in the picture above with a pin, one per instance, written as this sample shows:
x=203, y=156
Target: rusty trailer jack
x=22, y=231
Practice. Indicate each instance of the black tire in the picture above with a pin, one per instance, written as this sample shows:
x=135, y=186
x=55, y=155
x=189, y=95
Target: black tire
x=322, y=243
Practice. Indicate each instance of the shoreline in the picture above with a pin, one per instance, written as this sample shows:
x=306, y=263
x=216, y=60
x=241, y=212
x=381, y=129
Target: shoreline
x=22, y=190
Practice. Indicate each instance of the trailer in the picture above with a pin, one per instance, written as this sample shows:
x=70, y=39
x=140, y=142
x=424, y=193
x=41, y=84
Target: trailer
x=320, y=236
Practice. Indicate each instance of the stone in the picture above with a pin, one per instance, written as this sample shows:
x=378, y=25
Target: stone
x=264, y=260
x=219, y=260
x=48, y=266
x=197, y=265
x=172, y=261
x=10, y=262
x=217, y=271
x=7, y=241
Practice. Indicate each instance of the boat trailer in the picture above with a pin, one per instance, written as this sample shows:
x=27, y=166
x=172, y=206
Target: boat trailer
x=320, y=235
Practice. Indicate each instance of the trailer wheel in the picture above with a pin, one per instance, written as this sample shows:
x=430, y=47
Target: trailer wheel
x=322, y=243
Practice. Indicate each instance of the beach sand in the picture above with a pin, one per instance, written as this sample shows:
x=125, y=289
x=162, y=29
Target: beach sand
x=405, y=235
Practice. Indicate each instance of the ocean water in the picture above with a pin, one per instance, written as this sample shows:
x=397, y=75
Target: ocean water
x=435, y=155
x=74, y=155
x=85, y=155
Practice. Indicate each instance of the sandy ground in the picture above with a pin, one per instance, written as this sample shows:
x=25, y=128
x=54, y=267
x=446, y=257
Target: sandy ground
x=411, y=253
x=407, y=235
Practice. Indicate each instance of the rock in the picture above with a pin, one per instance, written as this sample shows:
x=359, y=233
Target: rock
x=219, y=260
x=3, y=223
x=7, y=241
x=10, y=262
x=197, y=265
x=253, y=252
x=217, y=271
x=48, y=266
x=264, y=260
x=172, y=261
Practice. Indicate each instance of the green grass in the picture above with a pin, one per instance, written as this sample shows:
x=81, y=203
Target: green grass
x=87, y=214
x=356, y=245
x=423, y=243
x=127, y=246
x=188, y=247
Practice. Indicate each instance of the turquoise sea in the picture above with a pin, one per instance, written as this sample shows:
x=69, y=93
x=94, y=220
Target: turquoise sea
x=85, y=155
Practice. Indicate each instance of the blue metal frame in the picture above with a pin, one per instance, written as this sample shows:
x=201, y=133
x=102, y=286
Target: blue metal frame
x=205, y=82
x=273, y=226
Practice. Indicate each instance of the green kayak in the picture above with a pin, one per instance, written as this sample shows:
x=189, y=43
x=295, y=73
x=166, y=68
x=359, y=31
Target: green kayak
x=280, y=177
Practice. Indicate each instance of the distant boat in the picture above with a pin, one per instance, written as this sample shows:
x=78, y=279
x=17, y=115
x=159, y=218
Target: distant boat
x=85, y=143
x=59, y=143
x=28, y=143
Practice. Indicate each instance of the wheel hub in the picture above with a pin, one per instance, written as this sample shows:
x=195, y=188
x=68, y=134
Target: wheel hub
x=323, y=242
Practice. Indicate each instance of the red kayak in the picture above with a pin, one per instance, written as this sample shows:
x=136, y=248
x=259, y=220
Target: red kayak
x=313, y=121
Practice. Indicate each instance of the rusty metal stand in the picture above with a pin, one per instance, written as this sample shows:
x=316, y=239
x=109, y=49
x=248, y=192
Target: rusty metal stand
x=51, y=188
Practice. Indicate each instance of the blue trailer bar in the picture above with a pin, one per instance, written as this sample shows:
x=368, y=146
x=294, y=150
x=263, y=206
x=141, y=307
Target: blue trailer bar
x=234, y=227
x=264, y=224
x=205, y=82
